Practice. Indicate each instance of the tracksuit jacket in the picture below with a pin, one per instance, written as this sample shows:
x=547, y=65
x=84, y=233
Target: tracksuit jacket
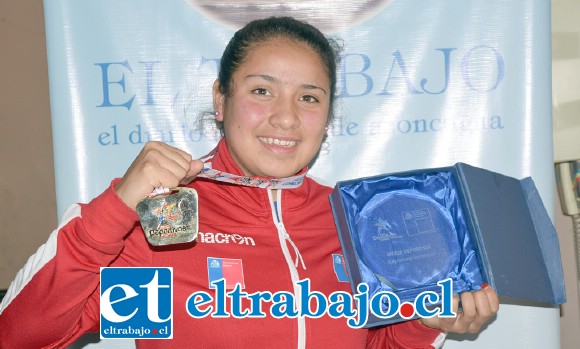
x=55, y=297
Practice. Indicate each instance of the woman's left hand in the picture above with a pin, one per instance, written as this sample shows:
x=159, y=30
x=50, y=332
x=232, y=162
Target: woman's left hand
x=478, y=308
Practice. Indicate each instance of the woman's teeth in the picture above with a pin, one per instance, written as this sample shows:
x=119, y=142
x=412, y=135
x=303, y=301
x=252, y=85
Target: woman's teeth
x=278, y=142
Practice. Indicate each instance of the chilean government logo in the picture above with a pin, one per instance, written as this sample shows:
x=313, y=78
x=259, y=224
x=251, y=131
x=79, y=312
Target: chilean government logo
x=136, y=303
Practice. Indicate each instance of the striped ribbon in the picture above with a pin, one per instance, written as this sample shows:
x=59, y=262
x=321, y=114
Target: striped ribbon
x=255, y=182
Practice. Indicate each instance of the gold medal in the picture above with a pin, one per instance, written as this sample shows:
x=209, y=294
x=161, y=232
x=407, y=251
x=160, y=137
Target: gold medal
x=170, y=218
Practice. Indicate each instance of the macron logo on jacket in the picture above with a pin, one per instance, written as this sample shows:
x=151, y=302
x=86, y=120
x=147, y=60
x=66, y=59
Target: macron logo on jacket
x=223, y=238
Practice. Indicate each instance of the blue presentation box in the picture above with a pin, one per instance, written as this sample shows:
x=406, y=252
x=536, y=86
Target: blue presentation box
x=404, y=232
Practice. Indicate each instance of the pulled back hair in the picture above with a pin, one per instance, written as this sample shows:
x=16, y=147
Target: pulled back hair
x=260, y=30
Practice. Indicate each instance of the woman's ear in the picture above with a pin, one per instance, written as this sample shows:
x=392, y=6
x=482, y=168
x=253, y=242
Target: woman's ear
x=218, y=101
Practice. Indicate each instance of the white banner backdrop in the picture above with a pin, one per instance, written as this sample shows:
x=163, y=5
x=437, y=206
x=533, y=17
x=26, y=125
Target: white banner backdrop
x=423, y=83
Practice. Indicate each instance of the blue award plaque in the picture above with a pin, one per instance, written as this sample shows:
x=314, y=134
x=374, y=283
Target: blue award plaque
x=403, y=232
x=408, y=232
x=407, y=239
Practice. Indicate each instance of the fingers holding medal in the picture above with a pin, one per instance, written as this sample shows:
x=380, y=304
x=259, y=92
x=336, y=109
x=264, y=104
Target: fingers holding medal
x=158, y=165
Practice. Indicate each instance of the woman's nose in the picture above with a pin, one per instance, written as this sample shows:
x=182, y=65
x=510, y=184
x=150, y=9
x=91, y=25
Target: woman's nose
x=285, y=115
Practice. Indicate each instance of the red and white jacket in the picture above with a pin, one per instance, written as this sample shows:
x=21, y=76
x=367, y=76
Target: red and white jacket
x=55, y=297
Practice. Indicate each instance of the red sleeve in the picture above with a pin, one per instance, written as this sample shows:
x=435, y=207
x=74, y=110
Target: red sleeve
x=404, y=335
x=54, y=298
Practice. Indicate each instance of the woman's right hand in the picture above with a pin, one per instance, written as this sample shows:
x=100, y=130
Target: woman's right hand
x=157, y=165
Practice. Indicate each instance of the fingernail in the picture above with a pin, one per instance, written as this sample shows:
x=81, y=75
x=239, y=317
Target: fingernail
x=484, y=285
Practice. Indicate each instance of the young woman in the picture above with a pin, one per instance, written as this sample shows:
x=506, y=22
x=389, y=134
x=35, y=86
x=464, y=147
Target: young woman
x=273, y=98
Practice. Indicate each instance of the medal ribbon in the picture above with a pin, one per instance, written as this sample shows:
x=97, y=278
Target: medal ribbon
x=255, y=182
x=264, y=183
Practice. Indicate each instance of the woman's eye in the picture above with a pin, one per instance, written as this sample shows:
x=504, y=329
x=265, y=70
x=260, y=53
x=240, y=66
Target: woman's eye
x=309, y=99
x=261, y=91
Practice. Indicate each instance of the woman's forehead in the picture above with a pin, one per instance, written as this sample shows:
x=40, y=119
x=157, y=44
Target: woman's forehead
x=284, y=68
x=283, y=50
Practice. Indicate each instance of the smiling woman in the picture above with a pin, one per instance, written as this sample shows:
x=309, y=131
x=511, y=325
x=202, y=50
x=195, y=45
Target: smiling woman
x=275, y=117
x=273, y=97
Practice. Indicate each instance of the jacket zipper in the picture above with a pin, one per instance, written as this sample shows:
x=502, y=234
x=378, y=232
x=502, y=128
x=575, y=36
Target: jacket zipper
x=284, y=239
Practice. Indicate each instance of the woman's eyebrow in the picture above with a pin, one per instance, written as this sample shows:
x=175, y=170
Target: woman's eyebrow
x=313, y=87
x=263, y=76
x=276, y=80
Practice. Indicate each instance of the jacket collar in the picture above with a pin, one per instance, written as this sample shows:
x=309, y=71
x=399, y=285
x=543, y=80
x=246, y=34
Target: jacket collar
x=255, y=200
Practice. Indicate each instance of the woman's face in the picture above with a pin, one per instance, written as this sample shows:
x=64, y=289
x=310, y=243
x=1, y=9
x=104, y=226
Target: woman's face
x=275, y=119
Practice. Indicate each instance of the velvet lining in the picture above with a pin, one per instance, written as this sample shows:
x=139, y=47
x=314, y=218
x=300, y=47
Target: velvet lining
x=409, y=232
